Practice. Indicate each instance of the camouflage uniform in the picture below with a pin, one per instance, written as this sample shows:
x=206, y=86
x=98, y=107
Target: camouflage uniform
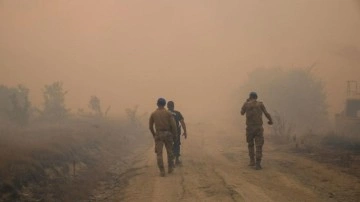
x=165, y=131
x=254, y=129
x=164, y=138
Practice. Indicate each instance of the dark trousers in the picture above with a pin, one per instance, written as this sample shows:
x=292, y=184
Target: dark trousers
x=176, y=147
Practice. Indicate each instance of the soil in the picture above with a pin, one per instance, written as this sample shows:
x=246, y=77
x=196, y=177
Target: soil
x=215, y=168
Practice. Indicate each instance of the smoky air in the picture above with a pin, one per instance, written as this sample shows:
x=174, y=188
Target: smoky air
x=79, y=81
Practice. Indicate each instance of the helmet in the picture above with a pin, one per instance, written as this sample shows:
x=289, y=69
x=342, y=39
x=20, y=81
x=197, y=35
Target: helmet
x=161, y=102
x=253, y=95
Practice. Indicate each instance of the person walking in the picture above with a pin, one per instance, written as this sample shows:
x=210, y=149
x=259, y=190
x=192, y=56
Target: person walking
x=164, y=133
x=180, y=123
x=254, y=128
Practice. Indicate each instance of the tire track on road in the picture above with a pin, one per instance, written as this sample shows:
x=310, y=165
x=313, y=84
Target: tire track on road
x=118, y=178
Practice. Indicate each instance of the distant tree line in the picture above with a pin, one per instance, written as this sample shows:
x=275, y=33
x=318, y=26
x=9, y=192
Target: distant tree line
x=16, y=107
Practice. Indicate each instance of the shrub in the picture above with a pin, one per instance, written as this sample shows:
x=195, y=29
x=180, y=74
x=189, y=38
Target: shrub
x=342, y=142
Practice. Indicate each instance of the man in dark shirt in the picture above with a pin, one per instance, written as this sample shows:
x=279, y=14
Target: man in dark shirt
x=179, y=119
x=165, y=127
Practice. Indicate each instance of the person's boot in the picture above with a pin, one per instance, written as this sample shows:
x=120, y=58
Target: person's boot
x=252, y=162
x=177, y=161
x=258, y=164
x=170, y=169
x=162, y=172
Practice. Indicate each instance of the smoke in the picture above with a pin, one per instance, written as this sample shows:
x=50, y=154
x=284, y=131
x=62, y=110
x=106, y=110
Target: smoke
x=358, y=3
x=129, y=53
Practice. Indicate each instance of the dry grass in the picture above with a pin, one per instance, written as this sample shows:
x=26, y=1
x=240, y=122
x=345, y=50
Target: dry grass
x=37, y=162
x=340, y=152
x=337, y=151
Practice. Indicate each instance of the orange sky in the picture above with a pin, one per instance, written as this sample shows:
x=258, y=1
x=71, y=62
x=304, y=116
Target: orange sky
x=130, y=52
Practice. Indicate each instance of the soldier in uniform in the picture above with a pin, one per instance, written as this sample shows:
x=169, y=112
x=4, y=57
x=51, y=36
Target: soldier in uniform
x=179, y=119
x=254, y=128
x=164, y=134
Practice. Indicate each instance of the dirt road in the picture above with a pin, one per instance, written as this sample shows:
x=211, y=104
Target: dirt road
x=215, y=169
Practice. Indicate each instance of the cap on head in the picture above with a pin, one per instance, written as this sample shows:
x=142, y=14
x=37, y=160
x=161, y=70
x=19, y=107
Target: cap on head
x=170, y=105
x=161, y=102
x=253, y=95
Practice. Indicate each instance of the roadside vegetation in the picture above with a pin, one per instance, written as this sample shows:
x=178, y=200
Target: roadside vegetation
x=46, y=153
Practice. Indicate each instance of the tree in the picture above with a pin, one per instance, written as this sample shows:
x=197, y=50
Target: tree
x=296, y=95
x=5, y=102
x=14, y=104
x=133, y=116
x=95, y=106
x=21, y=105
x=54, y=102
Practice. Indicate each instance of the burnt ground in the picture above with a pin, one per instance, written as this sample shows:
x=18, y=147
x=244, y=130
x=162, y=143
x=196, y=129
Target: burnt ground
x=119, y=167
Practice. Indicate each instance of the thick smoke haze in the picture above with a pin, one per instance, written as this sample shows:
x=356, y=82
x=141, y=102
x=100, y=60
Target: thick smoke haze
x=197, y=53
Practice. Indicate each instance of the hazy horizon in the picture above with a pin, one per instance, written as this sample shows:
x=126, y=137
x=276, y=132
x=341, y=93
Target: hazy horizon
x=197, y=53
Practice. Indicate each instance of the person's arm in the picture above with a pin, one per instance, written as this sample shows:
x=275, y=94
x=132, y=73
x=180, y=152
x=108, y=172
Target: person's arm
x=270, y=122
x=183, y=125
x=182, y=122
x=151, y=126
x=243, y=109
